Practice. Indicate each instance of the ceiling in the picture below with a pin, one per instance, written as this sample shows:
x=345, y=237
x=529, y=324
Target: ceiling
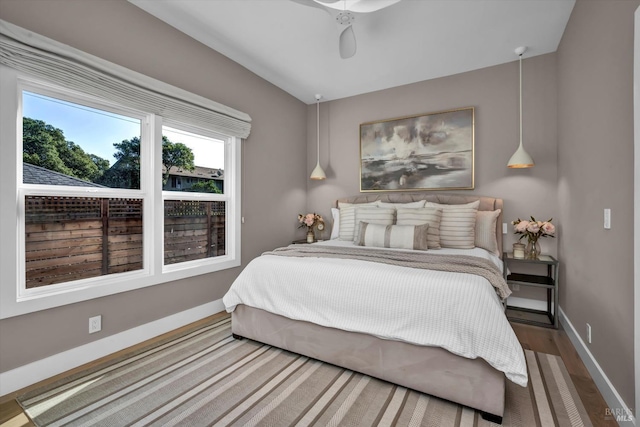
x=295, y=47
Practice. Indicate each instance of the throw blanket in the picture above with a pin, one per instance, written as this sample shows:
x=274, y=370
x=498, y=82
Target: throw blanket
x=423, y=260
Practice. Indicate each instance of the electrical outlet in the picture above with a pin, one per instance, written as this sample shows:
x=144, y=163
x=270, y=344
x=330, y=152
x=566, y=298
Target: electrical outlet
x=95, y=324
x=588, y=333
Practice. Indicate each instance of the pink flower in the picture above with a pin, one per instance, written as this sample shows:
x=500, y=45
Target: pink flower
x=521, y=227
x=309, y=220
x=548, y=228
x=533, y=227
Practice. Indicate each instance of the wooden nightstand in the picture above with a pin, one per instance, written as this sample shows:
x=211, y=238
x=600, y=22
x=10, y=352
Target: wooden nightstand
x=548, y=318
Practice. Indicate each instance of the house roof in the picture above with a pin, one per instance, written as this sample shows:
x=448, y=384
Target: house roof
x=198, y=172
x=32, y=174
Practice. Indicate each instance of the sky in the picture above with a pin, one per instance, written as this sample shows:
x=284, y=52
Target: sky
x=96, y=130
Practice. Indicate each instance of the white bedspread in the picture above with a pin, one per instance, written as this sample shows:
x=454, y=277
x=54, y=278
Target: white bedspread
x=458, y=312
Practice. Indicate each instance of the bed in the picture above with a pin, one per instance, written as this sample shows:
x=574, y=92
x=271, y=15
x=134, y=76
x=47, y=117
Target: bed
x=406, y=339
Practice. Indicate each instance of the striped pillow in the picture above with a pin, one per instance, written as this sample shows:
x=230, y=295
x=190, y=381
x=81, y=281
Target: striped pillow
x=458, y=225
x=373, y=215
x=348, y=219
x=394, y=236
x=418, y=204
x=431, y=216
x=486, y=231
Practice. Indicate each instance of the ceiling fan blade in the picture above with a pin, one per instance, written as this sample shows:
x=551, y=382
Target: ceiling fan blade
x=366, y=6
x=358, y=6
x=347, y=43
x=312, y=3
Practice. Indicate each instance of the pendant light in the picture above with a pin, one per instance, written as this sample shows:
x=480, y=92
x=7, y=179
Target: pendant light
x=520, y=159
x=318, y=173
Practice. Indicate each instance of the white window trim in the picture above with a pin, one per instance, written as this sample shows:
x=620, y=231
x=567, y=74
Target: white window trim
x=14, y=299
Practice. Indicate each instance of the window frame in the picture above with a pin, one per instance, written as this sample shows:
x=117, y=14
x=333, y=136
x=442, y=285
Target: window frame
x=15, y=299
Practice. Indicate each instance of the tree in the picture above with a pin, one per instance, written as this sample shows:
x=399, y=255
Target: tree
x=125, y=173
x=47, y=147
x=175, y=154
x=208, y=186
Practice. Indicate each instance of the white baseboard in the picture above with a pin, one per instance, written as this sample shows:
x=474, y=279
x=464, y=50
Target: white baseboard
x=608, y=391
x=34, y=372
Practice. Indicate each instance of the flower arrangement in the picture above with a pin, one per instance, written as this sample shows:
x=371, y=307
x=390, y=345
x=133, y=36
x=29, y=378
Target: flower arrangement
x=311, y=220
x=533, y=230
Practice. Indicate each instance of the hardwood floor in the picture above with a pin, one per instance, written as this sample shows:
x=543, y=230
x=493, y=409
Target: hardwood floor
x=556, y=342
x=531, y=337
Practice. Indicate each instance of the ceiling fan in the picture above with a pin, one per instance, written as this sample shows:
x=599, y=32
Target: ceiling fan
x=344, y=13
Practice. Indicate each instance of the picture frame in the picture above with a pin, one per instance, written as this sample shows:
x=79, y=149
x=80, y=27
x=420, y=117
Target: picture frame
x=432, y=151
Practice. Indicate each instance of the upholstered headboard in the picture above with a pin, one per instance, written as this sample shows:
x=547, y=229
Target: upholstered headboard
x=486, y=203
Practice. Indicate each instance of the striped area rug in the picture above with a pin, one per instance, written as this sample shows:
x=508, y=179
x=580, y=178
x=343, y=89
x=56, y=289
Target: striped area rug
x=206, y=378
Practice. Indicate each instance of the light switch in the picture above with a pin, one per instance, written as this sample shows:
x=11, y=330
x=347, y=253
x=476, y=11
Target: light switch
x=504, y=228
x=607, y=219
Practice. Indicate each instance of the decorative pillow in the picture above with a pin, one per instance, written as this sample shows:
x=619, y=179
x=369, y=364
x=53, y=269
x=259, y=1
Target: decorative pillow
x=394, y=236
x=486, y=230
x=335, y=230
x=348, y=219
x=458, y=225
x=418, y=204
x=420, y=216
x=373, y=215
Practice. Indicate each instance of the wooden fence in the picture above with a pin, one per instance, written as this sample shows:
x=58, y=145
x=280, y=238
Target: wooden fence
x=72, y=238
x=193, y=230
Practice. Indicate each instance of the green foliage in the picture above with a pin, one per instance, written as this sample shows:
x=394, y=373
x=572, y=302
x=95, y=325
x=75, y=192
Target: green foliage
x=47, y=147
x=175, y=154
x=125, y=173
x=208, y=186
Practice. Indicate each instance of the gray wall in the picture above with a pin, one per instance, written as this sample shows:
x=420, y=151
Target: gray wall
x=274, y=186
x=595, y=163
x=494, y=94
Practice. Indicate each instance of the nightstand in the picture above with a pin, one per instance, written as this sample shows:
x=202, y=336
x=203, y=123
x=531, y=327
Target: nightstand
x=548, y=318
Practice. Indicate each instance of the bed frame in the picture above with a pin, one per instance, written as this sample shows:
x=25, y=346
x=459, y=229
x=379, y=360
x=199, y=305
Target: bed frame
x=431, y=370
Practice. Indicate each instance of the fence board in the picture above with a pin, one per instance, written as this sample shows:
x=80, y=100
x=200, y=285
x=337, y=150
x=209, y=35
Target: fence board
x=61, y=252
x=62, y=235
x=62, y=226
x=64, y=261
x=38, y=246
x=51, y=280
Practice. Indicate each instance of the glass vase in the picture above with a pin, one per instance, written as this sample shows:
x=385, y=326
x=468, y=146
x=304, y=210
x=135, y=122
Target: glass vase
x=310, y=236
x=533, y=250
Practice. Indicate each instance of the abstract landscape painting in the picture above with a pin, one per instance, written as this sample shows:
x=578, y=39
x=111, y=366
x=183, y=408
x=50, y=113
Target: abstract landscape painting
x=429, y=152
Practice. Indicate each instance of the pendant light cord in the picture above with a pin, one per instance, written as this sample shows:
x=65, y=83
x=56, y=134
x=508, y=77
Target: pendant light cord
x=318, y=129
x=520, y=99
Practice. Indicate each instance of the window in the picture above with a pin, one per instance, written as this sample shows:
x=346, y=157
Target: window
x=76, y=146
x=194, y=213
x=96, y=214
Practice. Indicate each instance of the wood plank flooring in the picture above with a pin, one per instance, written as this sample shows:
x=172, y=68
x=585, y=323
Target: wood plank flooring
x=531, y=337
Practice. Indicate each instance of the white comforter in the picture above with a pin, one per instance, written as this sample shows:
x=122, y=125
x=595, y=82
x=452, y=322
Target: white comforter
x=458, y=312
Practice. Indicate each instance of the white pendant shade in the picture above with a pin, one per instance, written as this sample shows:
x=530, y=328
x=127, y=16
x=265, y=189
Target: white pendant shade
x=520, y=159
x=318, y=172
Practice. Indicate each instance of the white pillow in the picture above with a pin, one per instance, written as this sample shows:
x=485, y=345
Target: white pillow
x=348, y=219
x=394, y=236
x=418, y=204
x=419, y=216
x=373, y=215
x=486, y=231
x=458, y=225
x=335, y=230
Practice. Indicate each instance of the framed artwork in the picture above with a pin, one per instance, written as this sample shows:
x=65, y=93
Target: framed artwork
x=428, y=152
